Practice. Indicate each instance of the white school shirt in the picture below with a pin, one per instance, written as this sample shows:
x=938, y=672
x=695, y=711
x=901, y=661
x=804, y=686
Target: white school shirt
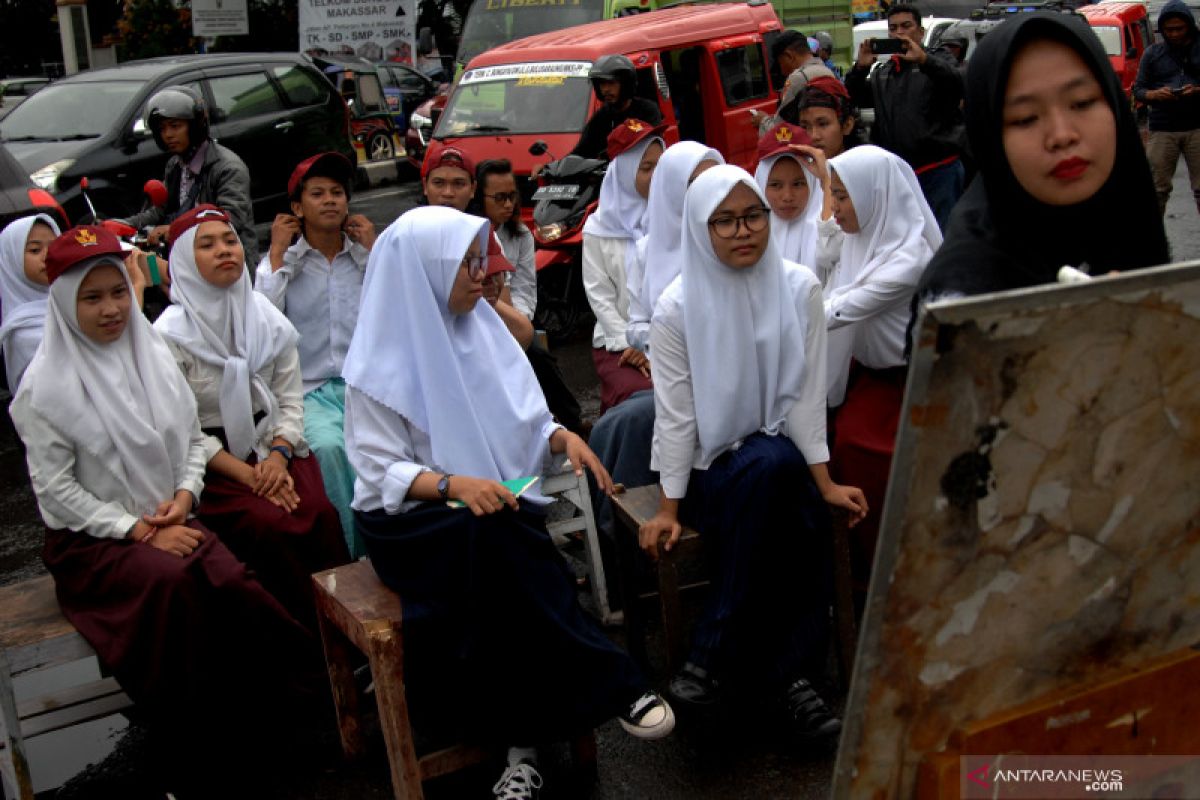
x=522, y=283
x=875, y=317
x=321, y=299
x=282, y=375
x=76, y=490
x=604, y=280
x=387, y=454
x=675, y=450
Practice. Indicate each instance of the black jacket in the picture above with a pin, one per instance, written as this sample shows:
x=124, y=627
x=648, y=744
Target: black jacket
x=593, y=142
x=1163, y=67
x=917, y=107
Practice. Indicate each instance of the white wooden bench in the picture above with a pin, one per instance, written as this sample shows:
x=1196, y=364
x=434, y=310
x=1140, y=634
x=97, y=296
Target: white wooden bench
x=34, y=635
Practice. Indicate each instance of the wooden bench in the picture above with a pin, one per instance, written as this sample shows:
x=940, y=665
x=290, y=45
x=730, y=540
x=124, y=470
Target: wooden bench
x=34, y=635
x=357, y=612
x=637, y=505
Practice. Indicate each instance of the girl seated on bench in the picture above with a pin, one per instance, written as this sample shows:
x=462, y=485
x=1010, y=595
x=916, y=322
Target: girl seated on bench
x=264, y=494
x=441, y=407
x=23, y=291
x=116, y=457
x=738, y=342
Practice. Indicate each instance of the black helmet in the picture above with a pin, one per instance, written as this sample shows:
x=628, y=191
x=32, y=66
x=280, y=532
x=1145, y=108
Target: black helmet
x=178, y=102
x=614, y=68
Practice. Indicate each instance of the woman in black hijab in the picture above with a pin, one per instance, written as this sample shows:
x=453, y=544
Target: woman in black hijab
x=1063, y=180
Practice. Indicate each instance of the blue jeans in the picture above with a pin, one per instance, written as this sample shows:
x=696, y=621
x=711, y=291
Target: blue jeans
x=942, y=187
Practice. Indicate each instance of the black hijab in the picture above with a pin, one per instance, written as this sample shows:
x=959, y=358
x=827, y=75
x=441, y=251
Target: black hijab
x=1000, y=237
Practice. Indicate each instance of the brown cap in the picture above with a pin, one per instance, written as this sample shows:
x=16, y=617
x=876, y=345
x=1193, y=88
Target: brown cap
x=781, y=138
x=335, y=165
x=203, y=213
x=439, y=155
x=79, y=244
x=629, y=133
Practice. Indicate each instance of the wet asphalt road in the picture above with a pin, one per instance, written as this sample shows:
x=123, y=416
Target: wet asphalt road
x=730, y=759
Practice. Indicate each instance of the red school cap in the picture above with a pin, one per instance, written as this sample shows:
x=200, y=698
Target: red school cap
x=629, y=133
x=335, y=165
x=780, y=139
x=203, y=213
x=496, y=261
x=80, y=244
x=440, y=155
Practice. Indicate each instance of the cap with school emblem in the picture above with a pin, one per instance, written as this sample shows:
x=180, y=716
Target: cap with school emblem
x=629, y=133
x=202, y=213
x=780, y=138
x=79, y=244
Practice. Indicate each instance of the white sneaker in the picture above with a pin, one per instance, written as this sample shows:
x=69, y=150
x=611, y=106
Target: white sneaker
x=648, y=717
x=519, y=782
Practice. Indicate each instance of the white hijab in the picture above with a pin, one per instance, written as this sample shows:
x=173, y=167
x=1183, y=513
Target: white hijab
x=897, y=236
x=125, y=402
x=462, y=379
x=621, y=212
x=795, y=238
x=660, y=251
x=22, y=302
x=744, y=333
x=236, y=329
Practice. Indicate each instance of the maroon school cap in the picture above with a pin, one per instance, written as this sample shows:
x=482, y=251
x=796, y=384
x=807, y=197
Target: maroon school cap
x=496, y=262
x=629, y=133
x=203, y=213
x=781, y=138
x=333, y=165
x=439, y=155
x=79, y=244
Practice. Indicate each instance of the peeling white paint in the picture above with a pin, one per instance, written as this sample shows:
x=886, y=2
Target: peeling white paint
x=1104, y=592
x=966, y=613
x=331, y=583
x=987, y=511
x=1049, y=499
x=1082, y=550
x=1125, y=720
x=1119, y=512
x=940, y=504
x=1074, y=718
x=1172, y=418
x=1012, y=327
x=1024, y=526
x=940, y=672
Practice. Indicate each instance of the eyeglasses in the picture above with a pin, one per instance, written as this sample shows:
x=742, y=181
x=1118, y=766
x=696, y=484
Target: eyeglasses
x=503, y=197
x=755, y=220
x=476, y=266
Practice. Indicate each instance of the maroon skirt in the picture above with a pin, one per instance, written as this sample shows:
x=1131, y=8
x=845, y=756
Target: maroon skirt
x=864, y=440
x=281, y=549
x=617, y=382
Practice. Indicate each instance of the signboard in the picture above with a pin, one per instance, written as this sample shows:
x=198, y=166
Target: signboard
x=219, y=18
x=377, y=30
x=545, y=73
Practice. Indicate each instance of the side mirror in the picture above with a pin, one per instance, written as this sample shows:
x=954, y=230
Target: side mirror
x=538, y=148
x=140, y=131
x=425, y=42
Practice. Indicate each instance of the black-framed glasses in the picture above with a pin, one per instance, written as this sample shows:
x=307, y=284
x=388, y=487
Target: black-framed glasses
x=503, y=197
x=726, y=226
x=476, y=266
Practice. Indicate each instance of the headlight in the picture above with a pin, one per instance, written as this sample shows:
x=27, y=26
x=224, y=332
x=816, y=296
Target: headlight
x=548, y=233
x=47, y=177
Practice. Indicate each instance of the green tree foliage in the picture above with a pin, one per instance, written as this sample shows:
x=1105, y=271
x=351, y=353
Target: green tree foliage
x=155, y=28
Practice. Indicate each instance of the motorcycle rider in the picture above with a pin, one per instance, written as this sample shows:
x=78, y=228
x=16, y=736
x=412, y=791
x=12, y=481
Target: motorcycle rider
x=199, y=171
x=614, y=80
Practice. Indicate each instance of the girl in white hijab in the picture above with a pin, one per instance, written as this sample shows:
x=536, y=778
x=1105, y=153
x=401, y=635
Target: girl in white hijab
x=23, y=291
x=660, y=250
x=890, y=236
x=238, y=352
x=116, y=458
x=441, y=409
x=610, y=239
x=739, y=442
x=789, y=174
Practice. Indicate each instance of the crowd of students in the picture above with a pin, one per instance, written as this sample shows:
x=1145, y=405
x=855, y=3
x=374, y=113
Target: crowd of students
x=359, y=398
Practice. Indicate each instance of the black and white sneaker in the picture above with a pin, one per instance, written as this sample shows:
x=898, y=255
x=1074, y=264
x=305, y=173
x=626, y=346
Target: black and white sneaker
x=519, y=782
x=648, y=717
x=810, y=718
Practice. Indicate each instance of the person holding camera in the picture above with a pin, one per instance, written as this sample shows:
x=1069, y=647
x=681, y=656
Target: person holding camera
x=1169, y=82
x=917, y=95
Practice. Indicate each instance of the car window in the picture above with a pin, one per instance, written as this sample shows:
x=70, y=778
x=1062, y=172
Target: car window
x=388, y=78
x=301, y=86
x=410, y=80
x=71, y=111
x=743, y=73
x=370, y=93
x=241, y=96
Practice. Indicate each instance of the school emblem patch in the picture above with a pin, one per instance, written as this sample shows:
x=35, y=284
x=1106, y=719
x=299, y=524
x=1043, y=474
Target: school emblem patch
x=783, y=135
x=635, y=125
x=86, y=238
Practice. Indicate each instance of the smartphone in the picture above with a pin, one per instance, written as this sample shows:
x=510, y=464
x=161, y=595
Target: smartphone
x=1177, y=90
x=887, y=47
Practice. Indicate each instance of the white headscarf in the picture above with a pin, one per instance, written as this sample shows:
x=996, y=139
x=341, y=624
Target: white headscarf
x=661, y=249
x=795, y=238
x=621, y=212
x=462, y=379
x=125, y=402
x=897, y=236
x=744, y=333
x=22, y=302
x=237, y=329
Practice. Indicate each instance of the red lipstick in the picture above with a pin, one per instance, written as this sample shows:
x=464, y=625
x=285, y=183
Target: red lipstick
x=1069, y=169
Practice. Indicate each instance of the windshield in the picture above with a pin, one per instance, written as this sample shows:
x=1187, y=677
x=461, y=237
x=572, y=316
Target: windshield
x=494, y=22
x=1110, y=37
x=519, y=98
x=70, y=111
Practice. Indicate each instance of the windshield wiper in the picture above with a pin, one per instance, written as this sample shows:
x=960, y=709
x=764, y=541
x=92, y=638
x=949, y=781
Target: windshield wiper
x=489, y=128
x=76, y=137
x=25, y=139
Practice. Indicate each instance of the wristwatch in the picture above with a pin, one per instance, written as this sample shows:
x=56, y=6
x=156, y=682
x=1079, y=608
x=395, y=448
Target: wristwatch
x=284, y=451
x=443, y=486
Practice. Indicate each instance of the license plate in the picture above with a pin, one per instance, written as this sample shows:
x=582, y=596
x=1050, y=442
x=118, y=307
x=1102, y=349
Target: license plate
x=558, y=191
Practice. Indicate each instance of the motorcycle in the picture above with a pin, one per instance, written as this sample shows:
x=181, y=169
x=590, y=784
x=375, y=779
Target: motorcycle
x=155, y=193
x=566, y=196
